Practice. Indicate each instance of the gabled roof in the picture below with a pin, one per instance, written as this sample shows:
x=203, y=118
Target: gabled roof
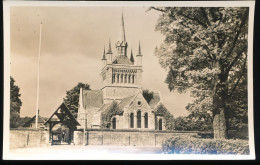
x=155, y=100
x=125, y=102
x=32, y=120
x=121, y=59
x=68, y=115
x=112, y=106
x=160, y=109
x=92, y=98
x=105, y=107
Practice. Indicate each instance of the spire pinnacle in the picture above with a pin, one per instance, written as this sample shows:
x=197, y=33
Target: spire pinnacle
x=132, y=57
x=122, y=29
x=104, y=54
x=139, y=50
x=109, y=48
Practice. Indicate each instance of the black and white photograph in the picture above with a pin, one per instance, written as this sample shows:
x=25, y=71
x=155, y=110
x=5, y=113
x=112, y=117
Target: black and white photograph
x=109, y=80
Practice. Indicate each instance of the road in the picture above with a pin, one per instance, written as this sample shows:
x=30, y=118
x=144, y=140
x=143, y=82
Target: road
x=83, y=152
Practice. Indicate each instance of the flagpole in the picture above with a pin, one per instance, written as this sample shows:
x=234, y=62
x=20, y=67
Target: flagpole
x=38, y=83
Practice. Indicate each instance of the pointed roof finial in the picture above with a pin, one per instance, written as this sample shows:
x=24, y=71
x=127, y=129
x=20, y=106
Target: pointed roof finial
x=109, y=48
x=122, y=28
x=132, y=57
x=104, y=54
x=139, y=50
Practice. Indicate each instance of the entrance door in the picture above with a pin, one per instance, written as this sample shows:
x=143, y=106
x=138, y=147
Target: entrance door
x=114, y=123
x=160, y=124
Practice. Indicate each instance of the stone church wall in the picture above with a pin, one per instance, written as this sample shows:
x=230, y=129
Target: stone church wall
x=22, y=138
x=125, y=137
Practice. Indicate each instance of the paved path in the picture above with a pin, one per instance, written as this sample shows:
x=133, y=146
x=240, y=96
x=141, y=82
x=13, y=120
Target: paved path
x=82, y=152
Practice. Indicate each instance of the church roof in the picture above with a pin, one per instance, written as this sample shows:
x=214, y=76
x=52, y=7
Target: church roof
x=122, y=60
x=155, y=100
x=112, y=106
x=32, y=120
x=132, y=57
x=161, y=110
x=62, y=114
x=105, y=107
x=92, y=98
x=125, y=102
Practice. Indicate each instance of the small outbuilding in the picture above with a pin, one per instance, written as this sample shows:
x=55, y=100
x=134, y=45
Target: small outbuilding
x=31, y=122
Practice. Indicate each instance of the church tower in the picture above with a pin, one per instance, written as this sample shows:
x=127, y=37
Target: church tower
x=121, y=76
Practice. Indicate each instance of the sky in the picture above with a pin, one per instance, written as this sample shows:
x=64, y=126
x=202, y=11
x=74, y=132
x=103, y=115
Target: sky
x=73, y=40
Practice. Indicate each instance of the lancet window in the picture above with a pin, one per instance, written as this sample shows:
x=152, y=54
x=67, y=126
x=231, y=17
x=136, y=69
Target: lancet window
x=122, y=78
x=113, y=78
x=132, y=120
x=125, y=78
x=145, y=120
x=129, y=79
x=133, y=79
x=117, y=78
x=139, y=119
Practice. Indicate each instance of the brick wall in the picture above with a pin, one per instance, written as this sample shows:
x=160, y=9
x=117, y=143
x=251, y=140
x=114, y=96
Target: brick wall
x=21, y=138
x=126, y=138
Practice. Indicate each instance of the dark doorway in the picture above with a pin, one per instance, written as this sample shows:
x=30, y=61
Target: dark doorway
x=132, y=120
x=160, y=124
x=114, y=123
x=139, y=119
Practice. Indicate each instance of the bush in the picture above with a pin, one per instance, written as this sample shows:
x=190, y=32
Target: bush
x=191, y=145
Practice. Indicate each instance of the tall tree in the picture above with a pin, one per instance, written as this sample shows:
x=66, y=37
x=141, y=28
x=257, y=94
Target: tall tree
x=15, y=103
x=205, y=49
x=72, y=97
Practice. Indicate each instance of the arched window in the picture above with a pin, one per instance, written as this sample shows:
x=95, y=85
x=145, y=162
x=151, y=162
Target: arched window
x=132, y=120
x=160, y=124
x=117, y=78
x=113, y=78
x=122, y=78
x=146, y=120
x=133, y=79
x=139, y=119
x=129, y=79
x=125, y=78
x=114, y=123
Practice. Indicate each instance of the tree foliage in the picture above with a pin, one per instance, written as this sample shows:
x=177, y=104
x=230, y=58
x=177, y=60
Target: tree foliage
x=205, y=50
x=111, y=111
x=190, y=124
x=148, y=95
x=161, y=110
x=23, y=120
x=15, y=103
x=72, y=97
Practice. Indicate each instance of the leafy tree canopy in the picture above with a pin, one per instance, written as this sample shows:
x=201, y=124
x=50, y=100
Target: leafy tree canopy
x=189, y=124
x=205, y=49
x=148, y=95
x=72, y=97
x=15, y=103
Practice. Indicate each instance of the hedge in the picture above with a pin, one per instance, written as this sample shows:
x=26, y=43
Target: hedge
x=192, y=145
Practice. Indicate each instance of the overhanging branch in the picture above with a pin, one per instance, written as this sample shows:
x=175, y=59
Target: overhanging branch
x=242, y=74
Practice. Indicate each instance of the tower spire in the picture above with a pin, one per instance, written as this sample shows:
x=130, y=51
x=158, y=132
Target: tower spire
x=104, y=54
x=109, y=48
x=132, y=57
x=123, y=29
x=139, y=50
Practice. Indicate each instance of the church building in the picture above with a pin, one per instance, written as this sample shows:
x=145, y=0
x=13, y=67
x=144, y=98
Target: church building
x=120, y=104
